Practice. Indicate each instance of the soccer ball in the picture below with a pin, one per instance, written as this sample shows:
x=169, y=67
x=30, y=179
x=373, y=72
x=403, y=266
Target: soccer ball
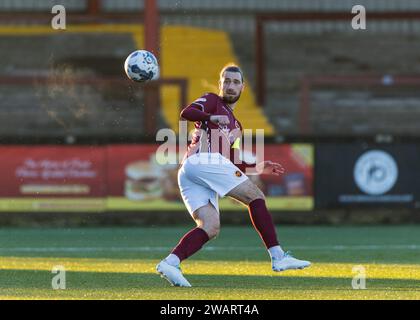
x=141, y=66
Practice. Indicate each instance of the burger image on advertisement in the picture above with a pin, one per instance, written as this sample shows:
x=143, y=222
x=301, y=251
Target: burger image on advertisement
x=169, y=176
x=169, y=183
x=142, y=181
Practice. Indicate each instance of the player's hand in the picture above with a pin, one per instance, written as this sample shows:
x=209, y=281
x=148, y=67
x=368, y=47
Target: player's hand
x=269, y=167
x=220, y=120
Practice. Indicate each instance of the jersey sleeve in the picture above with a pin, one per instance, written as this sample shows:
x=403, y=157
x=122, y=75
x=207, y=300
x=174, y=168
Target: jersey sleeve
x=201, y=109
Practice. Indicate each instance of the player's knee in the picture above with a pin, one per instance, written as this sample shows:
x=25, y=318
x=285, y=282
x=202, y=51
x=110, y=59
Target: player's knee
x=256, y=194
x=213, y=233
x=259, y=195
x=212, y=229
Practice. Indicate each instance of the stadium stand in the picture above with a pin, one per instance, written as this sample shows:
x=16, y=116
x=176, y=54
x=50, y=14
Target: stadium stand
x=84, y=111
x=62, y=107
x=319, y=48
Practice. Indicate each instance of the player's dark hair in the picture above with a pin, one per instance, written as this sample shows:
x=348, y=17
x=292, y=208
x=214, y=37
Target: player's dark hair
x=232, y=68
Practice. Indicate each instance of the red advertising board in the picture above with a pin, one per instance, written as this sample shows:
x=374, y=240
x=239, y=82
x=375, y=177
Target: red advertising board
x=52, y=171
x=297, y=160
x=130, y=177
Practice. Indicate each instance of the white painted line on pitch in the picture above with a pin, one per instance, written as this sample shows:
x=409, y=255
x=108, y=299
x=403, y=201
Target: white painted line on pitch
x=208, y=248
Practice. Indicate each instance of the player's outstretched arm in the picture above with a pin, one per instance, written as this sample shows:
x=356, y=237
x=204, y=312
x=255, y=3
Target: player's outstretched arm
x=265, y=167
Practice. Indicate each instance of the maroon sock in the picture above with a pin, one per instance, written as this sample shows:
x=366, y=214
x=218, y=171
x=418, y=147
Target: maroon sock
x=190, y=243
x=263, y=223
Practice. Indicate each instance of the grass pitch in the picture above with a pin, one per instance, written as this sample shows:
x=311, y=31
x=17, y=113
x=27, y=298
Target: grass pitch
x=119, y=263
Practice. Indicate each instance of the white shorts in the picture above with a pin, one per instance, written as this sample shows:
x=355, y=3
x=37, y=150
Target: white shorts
x=203, y=177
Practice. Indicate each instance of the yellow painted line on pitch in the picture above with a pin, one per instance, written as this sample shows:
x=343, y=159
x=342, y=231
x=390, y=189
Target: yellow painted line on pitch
x=240, y=268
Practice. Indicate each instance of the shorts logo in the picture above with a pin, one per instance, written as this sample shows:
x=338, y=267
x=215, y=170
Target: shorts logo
x=238, y=173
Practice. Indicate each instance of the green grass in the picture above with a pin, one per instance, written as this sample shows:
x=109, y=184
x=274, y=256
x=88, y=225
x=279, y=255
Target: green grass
x=118, y=263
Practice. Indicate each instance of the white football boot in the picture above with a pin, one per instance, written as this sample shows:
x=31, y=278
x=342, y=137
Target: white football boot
x=172, y=274
x=288, y=262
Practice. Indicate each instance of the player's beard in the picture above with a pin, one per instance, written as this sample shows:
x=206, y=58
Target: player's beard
x=230, y=99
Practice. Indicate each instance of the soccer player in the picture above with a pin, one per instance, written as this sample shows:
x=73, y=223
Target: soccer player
x=211, y=168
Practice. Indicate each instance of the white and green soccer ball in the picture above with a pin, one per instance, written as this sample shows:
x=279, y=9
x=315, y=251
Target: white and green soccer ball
x=141, y=66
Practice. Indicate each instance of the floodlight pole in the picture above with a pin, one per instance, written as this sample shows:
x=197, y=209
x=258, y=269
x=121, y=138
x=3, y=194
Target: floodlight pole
x=152, y=44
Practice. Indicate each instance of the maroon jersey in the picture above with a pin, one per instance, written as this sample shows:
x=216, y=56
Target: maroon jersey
x=210, y=137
